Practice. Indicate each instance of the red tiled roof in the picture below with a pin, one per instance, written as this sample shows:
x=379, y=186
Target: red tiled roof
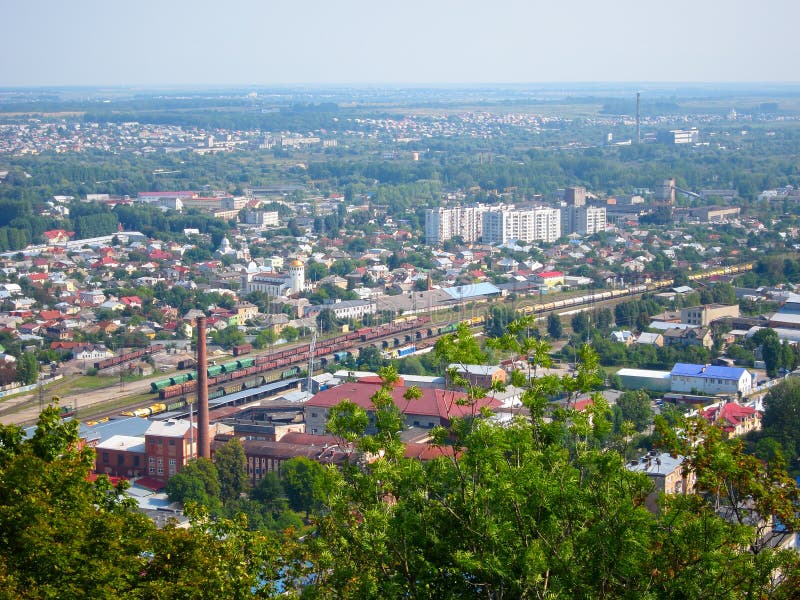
x=433, y=402
x=550, y=274
x=730, y=414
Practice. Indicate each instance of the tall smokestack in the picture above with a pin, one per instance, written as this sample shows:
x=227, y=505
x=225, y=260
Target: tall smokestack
x=638, y=136
x=203, y=443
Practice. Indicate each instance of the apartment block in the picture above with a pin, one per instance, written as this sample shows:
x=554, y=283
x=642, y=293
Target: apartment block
x=540, y=224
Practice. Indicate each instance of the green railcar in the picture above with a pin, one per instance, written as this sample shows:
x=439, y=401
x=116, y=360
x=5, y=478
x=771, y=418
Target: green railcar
x=159, y=385
x=244, y=363
x=292, y=372
x=177, y=405
x=230, y=367
x=178, y=379
x=214, y=371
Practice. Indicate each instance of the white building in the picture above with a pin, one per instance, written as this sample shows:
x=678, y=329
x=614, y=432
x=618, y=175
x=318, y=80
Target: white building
x=275, y=284
x=442, y=224
x=344, y=309
x=537, y=224
x=583, y=220
x=710, y=380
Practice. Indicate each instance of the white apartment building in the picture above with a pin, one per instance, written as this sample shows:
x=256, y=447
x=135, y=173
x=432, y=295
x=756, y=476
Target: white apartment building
x=442, y=224
x=539, y=224
x=590, y=220
x=583, y=220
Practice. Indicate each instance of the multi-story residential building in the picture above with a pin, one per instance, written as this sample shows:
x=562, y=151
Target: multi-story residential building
x=442, y=224
x=733, y=418
x=539, y=224
x=710, y=379
x=588, y=220
x=703, y=316
x=577, y=217
x=262, y=218
x=667, y=473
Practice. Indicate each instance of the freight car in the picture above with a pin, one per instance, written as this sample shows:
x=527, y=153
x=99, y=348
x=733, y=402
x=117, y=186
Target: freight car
x=129, y=356
x=240, y=349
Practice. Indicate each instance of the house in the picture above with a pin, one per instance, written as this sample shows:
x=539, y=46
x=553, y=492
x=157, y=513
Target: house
x=92, y=352
x=652, y=339
x=623, y=337
x=667, y=474
x=734, y=419
x=692, y=336
x=57, y=236
x=548, y=279
x=710, y=379
x=482, y=376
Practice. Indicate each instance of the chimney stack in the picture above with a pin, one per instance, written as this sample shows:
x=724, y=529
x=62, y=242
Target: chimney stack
x=203, y=443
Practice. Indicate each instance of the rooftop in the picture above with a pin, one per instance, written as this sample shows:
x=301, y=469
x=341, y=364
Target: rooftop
x=708, y=371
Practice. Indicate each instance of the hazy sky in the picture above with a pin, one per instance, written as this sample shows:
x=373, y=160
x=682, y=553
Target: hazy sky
x=263, y=42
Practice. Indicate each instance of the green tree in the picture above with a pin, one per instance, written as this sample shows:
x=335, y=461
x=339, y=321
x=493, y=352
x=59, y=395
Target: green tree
x=27, y=368
x=554, y=327
x=369, y=358
x=781, y=420
x=231, y=465
x=636, y=408
x=302, y=480
x=327, y=321
x=197, y=481
x=52, y=518
x=270, y=494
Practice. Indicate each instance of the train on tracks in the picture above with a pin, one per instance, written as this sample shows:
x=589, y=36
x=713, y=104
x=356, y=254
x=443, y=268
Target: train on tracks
x=184, y=383
x=127, y=357
x=179, y=395
x=650, y=286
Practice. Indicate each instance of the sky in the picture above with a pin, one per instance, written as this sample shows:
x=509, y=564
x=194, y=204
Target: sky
x=277, y=42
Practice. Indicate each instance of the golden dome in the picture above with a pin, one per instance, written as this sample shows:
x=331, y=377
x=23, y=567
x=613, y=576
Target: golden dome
x=296, y=263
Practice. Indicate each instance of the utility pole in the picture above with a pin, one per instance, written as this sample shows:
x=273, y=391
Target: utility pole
x=311, y=349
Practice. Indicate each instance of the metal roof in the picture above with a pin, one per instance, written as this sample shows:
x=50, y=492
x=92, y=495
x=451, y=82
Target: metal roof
x=270, y=387
x=708, y=371
x=472, y=290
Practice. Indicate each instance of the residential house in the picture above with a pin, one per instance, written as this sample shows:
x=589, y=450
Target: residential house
x=651, y=339
x=667, y=473
x=691, y=336
x=482, y=376
x=733, y=418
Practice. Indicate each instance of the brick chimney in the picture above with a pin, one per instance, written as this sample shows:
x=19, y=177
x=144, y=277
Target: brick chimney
x=203, y=441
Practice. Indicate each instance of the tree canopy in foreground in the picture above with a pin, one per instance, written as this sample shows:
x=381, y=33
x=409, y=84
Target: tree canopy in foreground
x=538, y=506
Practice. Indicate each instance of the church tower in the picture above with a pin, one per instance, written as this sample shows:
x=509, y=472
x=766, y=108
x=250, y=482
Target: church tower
x=297, y=276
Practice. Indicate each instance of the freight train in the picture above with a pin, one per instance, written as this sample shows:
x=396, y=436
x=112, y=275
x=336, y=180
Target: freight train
x=630, y=291
x=245, y=367
x=180, y=393
x=129, y=356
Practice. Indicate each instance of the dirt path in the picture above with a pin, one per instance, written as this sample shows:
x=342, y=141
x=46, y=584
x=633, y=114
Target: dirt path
x=24, y=409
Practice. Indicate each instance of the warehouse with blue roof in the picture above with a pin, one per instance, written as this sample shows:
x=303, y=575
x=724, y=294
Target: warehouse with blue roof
x=711, y=379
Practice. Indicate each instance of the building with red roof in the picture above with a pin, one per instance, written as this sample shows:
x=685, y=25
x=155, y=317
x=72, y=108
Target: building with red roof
x=734, y=419
x=549, y=278
x=434, y=407
x=57, y=236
